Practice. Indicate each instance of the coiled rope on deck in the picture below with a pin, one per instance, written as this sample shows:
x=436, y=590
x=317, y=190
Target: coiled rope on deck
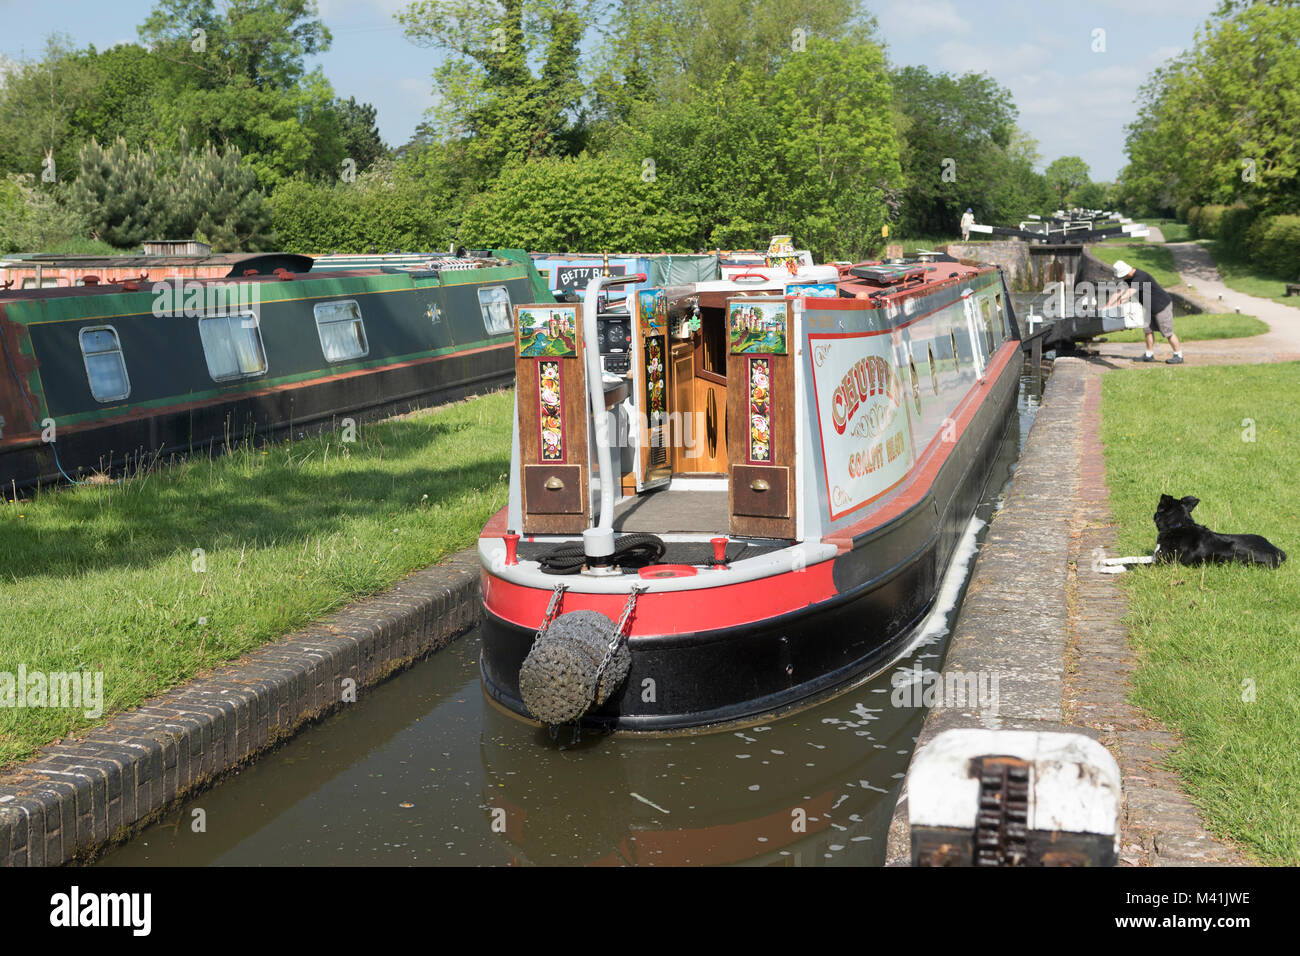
x=630, y=551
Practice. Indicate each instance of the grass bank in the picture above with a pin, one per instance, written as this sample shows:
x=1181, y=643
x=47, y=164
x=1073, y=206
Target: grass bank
x=1171, y=229
x=1199, y=328
x=161, y=576
x=1217, y=645
x=911, y=245
x=1148, y=257
x=1246, y=277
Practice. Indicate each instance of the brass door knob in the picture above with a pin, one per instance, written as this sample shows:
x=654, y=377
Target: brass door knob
x=554, y=484
x=759, y=484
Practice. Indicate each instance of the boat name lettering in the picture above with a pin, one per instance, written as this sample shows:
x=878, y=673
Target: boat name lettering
x=869, y=376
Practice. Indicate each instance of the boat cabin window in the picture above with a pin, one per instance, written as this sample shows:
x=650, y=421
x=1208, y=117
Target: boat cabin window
x=232, y=344
x=986, y=311
x=342, y=332
x=105, y=365
x=494, y=301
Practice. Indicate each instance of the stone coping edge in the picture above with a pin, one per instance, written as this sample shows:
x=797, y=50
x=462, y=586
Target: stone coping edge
x=1014, y=618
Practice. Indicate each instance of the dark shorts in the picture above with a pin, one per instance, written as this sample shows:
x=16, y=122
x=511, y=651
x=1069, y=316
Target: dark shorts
x=1163, y=320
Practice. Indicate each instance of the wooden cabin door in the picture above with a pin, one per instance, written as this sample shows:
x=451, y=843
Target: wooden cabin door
x=684, y=431
x=760, y=418
x=551, y=393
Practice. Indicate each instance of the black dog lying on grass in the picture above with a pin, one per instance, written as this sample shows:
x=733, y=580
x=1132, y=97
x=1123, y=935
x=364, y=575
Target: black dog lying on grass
x=1181, y=539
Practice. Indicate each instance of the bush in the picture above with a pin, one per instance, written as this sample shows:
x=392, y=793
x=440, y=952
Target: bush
x=1234, y=225
x=583, y=204
x=1208, y=220
x=35, y=218
x=386, y=207
x=1274, y=245
x=1193, y=216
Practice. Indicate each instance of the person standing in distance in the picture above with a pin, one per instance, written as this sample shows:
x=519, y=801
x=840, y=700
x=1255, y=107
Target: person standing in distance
x=1157, y=305
x=967, y=220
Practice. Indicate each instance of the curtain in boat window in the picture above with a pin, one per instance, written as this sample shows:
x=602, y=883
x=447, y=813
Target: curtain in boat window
x=342, y=333
x=105, y=366
x=232, y=344
x=495, y=303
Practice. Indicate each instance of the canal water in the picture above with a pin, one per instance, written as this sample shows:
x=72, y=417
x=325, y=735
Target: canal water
x=424, y=771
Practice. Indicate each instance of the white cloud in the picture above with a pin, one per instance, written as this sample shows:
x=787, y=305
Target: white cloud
x=341, y=9
x=921, y=16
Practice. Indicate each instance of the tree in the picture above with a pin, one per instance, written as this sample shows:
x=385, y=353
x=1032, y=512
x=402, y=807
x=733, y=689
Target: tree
x=34, y=219
x=664, y=49
x=242, y=79
x=1219, y=123
x=264, y=42
x=39, y=103
x=128, y=196
x=359, y=132
x=492, y=103
x=961, y=148
x=577, y=204
x=809, y=150
x=1090, y=195
x=1065, y=175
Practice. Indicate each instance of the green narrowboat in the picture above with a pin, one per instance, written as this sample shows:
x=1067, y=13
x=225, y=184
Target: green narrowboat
x=97, y=375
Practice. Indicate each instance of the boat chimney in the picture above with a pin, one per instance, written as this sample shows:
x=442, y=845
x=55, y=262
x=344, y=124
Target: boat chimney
x=598, y=547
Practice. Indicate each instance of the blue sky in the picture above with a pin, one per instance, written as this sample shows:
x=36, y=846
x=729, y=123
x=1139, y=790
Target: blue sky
x=1072, y=99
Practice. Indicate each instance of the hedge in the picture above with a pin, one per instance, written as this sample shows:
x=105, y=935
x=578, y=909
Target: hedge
x=1274, y=245
x=387, y=213
x=1233, y=227
x=1205, y=220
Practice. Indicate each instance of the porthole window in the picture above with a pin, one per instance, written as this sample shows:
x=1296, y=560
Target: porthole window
x=956, y=358
x=934, y=374
x=916, y=383
x=494, y=301
x=986, y=313
x=105, y=364
x=341, y=329
x=232, y=346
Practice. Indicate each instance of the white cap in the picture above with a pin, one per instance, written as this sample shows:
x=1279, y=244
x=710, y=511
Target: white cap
x=1122, y=269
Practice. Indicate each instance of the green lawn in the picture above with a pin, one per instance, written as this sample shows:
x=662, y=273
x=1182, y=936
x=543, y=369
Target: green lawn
x=1245, y=277
x=1199, y=328
x=103, y=576
x=1149, y=257
x=911, y=245
x=1218, y=647
x=1171, y=229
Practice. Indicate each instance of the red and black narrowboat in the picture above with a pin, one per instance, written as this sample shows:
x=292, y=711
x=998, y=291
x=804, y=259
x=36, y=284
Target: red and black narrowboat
x=95, y=375
x=738, y=497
